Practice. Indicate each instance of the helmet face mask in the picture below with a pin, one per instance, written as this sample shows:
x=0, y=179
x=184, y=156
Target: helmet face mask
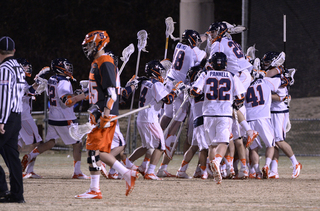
x=62, y=66
x=267, y=59
x=25, y=64
x=191, y=37
x=94, y=42
x=154, y=69
x=218, y=61
x=217, y=30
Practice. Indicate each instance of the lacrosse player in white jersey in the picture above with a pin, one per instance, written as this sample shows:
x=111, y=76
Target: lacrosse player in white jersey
x=237, y=64
x=153, y=92
x=29, y=133
x=186, y=55
x=61, y=115
x=198, y=140
x=221, y=90
x=258, y=104
x=280, y=111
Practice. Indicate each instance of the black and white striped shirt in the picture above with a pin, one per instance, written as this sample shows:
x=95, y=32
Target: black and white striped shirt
x=12, y=82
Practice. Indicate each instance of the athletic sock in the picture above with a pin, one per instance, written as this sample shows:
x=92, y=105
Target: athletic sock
x=268, y=161
x=95, y=182
x=294, y=160
x=34, y=153
x=163, y=167
x=119, y=167
x=151, y=169
x=76, y=167
x=184, y=166
x=245, y=125
x=274, y=166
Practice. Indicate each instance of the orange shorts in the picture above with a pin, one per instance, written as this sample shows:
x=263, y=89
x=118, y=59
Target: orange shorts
x=101, y=139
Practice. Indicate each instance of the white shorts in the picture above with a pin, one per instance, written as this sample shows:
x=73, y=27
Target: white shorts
x=279, y=122
x=199, y=138
x=118, y=139
x=217, y=130
x=55, y=132
x=265, y=130
x=29, y=133
x=151, y=135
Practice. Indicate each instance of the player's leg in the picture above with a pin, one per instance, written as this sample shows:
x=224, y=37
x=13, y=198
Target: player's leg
x=273, y=174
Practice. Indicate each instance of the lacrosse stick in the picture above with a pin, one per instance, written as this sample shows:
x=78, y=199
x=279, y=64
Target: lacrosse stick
x=279, y=60
x=251, y=52
x=126, y=53
x=169, y=30
x=142, y=42
x=165, y=133
x=170, y=153
x=233, y=29
x=84, y=85
x=78, y=131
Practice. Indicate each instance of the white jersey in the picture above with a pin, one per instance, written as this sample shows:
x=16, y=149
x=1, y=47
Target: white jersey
x=59, y=86
x=184, y=57
x=235, y=57
x=278, y=106
x=220, y=89
x=152, y=92
x=258, y=98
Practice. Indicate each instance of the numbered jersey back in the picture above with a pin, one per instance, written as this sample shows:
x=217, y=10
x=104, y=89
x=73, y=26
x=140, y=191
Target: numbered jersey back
x=234, y=53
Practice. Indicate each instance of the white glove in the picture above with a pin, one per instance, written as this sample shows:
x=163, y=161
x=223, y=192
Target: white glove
x=133, y=81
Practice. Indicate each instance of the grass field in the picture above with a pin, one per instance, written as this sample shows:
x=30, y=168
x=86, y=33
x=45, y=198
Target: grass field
x=56, y=190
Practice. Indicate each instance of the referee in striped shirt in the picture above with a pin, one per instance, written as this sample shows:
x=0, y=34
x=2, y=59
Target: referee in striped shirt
x=12, y=81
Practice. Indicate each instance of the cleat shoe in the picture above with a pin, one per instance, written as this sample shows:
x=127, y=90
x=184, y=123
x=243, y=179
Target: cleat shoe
x=252, y=134
x=90, y=194
x=31, y=175
x=141, y=171
x=164, y=173
x=197, y=174
x=259, y=175
x=223, y=173
x=214, y=166
x=204, y=175
x=252, y=175
x=130, y=177
x=296, y=170
x=25, y=162
x=230, y=173
x=113, y=176
x=133, y=167
x=243, y=174
x=103, y=170
x=273, y=175
x=265, y=172
x=183, y=175
x=80, y=176
x=151, y=177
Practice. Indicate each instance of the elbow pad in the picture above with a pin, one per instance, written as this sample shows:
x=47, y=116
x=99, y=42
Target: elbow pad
x=111, y=98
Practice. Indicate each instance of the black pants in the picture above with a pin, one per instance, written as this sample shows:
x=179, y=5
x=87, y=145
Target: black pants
x=10, y=154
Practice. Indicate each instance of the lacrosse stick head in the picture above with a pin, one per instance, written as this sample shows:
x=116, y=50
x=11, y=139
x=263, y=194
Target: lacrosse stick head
x=142, y=40
x=42, y=85
x=78, y=131
x=126, y=53
x=84, y=84
x=169, y=26
x=251, y=53
x=233, y=29
x=166, y=64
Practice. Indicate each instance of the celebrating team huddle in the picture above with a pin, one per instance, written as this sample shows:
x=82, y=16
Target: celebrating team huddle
x=232, y=103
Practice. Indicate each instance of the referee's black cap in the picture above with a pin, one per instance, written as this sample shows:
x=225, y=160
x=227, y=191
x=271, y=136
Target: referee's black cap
x=7, y=44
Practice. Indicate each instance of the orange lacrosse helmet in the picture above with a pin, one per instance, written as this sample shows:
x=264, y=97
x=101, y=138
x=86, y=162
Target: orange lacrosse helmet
x=94, y=42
